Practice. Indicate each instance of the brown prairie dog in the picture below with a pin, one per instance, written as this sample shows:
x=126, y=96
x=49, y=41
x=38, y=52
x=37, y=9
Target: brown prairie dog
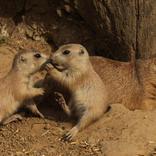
x=88, y=96
x=16, y=87
x=133, y=91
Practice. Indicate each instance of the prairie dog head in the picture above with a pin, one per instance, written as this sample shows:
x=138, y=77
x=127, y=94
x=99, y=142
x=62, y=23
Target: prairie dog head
x=71, y=57
x=29, y=61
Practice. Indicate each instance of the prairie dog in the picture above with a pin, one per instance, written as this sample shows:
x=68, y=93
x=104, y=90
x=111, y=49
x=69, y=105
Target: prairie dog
x=88, y=96
x=134, y=91
x=16, y=88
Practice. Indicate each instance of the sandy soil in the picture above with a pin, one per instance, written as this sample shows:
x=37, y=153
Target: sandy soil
x=119, y=132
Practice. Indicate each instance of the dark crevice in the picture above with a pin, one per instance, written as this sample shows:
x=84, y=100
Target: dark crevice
x=48, y=38
x=18, y=17
x=137, y=8
x=111, y=17
x=116, y=47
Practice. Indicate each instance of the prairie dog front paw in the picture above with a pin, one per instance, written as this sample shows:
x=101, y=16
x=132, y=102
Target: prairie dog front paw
x=49, y=67
x=39, y=91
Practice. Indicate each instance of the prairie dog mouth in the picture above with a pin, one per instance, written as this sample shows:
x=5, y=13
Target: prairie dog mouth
x=58, y=66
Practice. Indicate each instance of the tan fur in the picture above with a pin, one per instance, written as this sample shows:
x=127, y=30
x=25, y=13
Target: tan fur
x=134, y=91
x=88, y=96
x=16, y=87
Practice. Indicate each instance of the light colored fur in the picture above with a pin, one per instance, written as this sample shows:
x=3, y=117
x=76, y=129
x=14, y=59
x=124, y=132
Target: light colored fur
x=16, y=86
x=134, y=91
x=88, y=96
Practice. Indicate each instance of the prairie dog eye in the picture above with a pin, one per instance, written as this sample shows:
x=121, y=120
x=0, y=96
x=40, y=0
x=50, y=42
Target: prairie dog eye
x=37, y=55
x=66, y=52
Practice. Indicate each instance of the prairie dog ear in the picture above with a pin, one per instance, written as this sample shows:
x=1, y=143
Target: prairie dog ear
x=22, y=59
x=81, y=52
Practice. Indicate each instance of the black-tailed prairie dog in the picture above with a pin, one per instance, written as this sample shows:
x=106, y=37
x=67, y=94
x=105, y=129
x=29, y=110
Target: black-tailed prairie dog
x=16, y=88
x=135, y=91
x=72, y=69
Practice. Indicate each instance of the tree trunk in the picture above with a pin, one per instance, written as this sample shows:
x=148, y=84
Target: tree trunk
x=122, y=24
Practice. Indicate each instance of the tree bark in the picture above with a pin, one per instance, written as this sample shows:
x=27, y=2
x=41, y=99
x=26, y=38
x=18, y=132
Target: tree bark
x=122, y=24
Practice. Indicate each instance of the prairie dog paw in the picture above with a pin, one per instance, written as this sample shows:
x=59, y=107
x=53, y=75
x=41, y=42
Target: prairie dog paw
x=69, y=136
x=61, y=101
x=49, y=67
x=40, y=91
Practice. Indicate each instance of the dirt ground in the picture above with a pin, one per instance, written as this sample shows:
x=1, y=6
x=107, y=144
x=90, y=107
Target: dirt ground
x=119, y=132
